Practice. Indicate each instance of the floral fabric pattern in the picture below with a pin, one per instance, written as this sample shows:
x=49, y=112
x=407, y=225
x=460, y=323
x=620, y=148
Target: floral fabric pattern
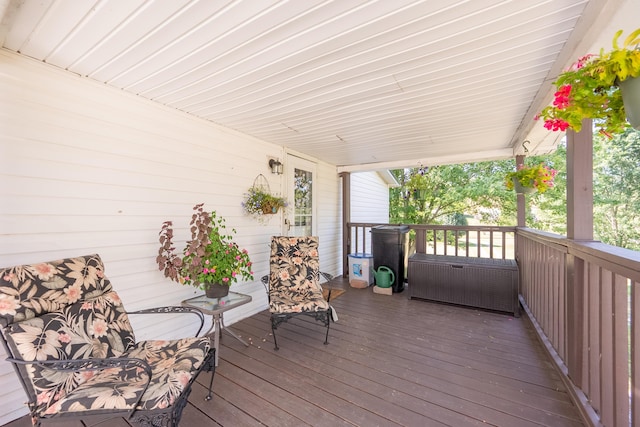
x=27, y=291
x=294, y=276
x=67, y=310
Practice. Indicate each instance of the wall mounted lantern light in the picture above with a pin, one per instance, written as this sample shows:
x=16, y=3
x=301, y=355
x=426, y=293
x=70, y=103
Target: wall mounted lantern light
x=276, y=166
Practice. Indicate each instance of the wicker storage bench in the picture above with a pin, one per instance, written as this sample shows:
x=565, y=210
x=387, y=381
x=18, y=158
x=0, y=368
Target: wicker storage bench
x=477, y=282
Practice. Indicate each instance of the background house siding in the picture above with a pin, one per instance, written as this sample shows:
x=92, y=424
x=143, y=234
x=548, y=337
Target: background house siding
x=369, y=200
x=89, y=169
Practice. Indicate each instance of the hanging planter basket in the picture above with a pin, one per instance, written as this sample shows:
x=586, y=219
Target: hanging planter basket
x=261, y=184
x=259, y=199
x=520, y=189
x=630, y=90
x=267, y=209
x=420, y=194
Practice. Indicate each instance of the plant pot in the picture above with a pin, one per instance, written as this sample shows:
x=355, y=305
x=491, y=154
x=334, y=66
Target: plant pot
x=216, y=290
x=630, y=90
x=268, y=209
x=520, y=189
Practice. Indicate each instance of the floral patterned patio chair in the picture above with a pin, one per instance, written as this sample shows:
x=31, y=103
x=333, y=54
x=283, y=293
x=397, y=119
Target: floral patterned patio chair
x=293, y=282
x=70, y=341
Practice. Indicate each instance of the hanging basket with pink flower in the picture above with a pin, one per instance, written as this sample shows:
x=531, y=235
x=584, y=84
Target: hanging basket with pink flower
x=528, y=179
x=604, y=87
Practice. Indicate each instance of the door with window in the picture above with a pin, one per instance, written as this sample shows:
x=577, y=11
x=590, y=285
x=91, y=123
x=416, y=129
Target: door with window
x=300, y=218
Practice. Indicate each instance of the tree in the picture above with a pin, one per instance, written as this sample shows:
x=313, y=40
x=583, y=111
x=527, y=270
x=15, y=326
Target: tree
x=548, y=211
x=477, y=189
x=616, y=191
x=455, y=191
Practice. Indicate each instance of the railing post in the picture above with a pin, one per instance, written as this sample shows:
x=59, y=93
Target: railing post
x=580, y=183
x=421, y=240
x=579, y=227
x=520, y=200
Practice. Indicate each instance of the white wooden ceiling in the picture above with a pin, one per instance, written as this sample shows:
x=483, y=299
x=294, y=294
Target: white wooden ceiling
x=361, y=84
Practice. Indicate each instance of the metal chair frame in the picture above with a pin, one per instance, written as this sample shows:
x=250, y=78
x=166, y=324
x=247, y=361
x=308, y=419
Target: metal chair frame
x=324, y=316
x=159, y=417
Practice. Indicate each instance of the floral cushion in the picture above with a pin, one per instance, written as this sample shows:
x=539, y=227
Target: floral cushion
x=294, y=276
x=67, y=310
x=27, y=291
x=96, y=328
x=173, y=365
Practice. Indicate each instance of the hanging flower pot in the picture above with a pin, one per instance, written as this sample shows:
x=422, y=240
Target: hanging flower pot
x=630, y=89
x=259, y=201
x=528, y=179
x=521, y=189
x=420, y=194
x=418, y=185
x=268, y=209
x=593, y=88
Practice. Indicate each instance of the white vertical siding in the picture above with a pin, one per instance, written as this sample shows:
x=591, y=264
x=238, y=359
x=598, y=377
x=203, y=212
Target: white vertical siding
x=369, y=200
x=329, y=208
x=88, y=169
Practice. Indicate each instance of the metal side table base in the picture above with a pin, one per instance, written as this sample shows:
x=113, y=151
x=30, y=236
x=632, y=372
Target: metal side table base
x=216, y=308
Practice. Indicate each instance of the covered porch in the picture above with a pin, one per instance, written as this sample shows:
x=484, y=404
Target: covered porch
x=580, y=296
x=95, y=168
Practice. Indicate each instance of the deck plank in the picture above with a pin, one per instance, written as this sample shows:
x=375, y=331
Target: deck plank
x=450, y=391
x=390, y=362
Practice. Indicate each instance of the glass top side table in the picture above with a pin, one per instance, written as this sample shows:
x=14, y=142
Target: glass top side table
x=216, y=308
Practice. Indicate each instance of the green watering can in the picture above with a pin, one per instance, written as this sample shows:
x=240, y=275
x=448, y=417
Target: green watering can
x=384, y=277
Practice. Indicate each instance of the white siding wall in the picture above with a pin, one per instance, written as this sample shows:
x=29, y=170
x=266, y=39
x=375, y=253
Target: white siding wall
x=329, y=211
x=369, y=200
x=89, y=169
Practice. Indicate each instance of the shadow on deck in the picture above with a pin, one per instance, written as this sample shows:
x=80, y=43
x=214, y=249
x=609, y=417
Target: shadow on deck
x=390, y=362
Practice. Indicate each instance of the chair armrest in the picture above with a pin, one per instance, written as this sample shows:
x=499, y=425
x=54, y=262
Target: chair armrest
x=265, y=283
x=265, y=279
x=326, y=276
x=80, y=365
x=173, y=309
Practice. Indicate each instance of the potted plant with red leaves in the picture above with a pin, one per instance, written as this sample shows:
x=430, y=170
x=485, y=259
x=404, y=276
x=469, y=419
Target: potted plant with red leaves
x=210, y=261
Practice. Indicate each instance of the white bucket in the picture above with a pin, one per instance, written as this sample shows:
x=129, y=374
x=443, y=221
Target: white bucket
x=361, y=268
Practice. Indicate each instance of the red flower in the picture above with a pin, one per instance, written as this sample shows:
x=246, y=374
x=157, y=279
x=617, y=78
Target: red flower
x=562, y=97
x=556, y=124
x=581, y=61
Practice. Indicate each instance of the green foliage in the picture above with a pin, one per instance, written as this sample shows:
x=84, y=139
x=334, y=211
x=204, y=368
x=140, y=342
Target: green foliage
x=259, y=202
x=616, y=191
x=455, y=192
x=210, y=256
x=452, y=191
x=418, y=181
x=478, y=190
x=539, y=177
x=549, y=212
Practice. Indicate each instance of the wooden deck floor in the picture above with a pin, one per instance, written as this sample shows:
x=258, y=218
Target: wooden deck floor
x=390, y=362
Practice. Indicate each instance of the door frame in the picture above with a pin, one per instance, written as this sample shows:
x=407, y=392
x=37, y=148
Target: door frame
x=293, y=162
